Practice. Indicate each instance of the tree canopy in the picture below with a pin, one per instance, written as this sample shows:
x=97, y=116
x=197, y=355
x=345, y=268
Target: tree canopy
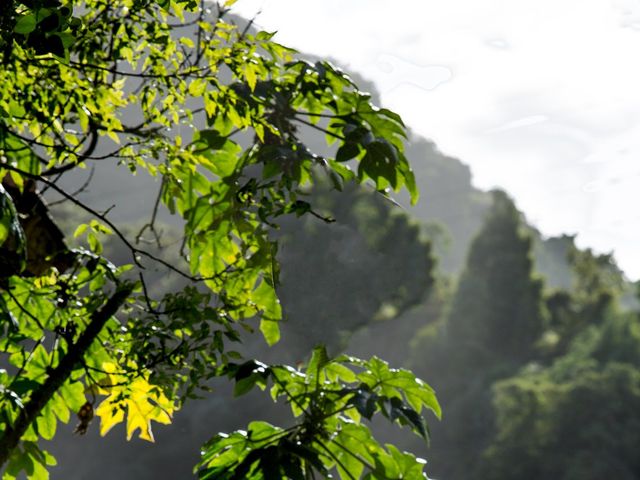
x=537, y=379
x=174, y=90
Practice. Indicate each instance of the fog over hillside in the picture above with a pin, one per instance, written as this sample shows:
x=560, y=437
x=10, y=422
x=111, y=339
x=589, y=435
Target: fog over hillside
x=539, y=97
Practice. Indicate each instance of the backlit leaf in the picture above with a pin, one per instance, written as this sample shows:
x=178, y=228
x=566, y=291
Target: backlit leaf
x=139, y=401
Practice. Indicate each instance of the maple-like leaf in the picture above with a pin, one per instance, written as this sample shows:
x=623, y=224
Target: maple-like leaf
x=138, y=400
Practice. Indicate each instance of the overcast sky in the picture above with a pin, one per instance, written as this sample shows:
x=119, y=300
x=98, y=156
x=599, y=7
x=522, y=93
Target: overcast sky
x=539, y=97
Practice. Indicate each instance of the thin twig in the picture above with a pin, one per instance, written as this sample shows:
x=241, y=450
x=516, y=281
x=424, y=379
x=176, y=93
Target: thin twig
x=320, y=129
x=82, y=188
x=152, y=222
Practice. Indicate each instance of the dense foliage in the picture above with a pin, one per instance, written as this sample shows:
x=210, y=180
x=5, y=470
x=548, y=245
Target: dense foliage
x=536, y=382
x=105, y=81
x=489, y=330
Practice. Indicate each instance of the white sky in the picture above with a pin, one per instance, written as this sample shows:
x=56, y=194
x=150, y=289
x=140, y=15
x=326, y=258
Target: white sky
x=539, y=97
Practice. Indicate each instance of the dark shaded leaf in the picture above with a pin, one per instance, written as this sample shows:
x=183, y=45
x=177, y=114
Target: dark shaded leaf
x=212, y=138
x=347, y=151
x=304, y=452
x=55, y=45
x=292, y=467
x=50, y=23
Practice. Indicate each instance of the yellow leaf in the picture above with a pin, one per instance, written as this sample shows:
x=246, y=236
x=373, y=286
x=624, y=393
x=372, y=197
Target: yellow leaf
x=113, y=136
x=141, y=401
x=146, y=404
x=17, y=179
x=110, y=415
x=187, y=42
x=197, y=87
x=250, y=75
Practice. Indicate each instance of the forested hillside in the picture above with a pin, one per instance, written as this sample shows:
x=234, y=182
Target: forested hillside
x=537, y=383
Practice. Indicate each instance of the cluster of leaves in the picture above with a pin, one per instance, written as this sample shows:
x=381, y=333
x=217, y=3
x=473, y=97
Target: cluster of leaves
x=47, y=26
x=42, y=385
x=330, y=397
x=104, y=80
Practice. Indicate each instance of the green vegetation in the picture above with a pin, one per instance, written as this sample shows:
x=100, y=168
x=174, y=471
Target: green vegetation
x=489, y=330
x=104, y=81
x=359, y=275
x=268, y=179
x=496, y=315
x=535, y=382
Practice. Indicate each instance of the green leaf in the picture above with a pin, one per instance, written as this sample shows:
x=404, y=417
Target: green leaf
x=187, y=42
x=416, y=420
x=247, y=375
x=365, y=402
x=46, y=423
x=270, y=330
x=80, y=229
x=347, y=151
x=245, y=385
x=94, y=243
x=25, y=24
x=319, y=359
x=266, y=300
x=343, y=170
x=211, y=138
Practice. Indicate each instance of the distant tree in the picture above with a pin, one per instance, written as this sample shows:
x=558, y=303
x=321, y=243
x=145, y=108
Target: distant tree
x=495, y=318
x=123, y=82
x=577, y=419
x=497, y=312
x=371, y=264
x=596, y=290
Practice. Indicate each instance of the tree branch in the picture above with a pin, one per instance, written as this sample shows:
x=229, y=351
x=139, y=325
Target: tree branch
x=60, y=374
x=135, y=252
